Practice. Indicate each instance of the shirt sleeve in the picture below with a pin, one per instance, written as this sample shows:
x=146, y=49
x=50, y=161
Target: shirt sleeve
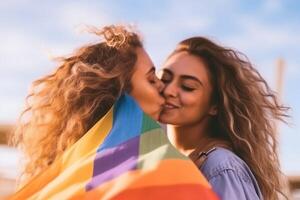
x=231, y=185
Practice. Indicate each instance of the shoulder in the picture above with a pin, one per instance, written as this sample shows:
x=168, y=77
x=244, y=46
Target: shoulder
x=221, y=160
x=230, y=176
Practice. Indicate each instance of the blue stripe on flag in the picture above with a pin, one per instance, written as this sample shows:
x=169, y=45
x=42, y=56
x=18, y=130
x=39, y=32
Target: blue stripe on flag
x=127, y=122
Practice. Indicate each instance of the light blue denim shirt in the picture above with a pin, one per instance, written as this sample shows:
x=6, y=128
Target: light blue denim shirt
x=229, y=176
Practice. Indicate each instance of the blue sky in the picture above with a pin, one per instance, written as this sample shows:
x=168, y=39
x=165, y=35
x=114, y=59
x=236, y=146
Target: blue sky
x=32, y=32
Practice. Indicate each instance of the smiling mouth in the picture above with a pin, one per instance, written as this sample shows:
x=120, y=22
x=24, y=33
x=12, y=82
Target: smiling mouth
x=170, y=106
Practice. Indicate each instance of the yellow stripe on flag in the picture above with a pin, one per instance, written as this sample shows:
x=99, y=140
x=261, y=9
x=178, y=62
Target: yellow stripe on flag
x=78, y=158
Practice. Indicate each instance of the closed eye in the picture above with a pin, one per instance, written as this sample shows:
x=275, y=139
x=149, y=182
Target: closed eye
x=188, y=89
x=153, y=78
x=164, y=80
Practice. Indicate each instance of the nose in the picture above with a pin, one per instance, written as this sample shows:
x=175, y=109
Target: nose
x=160, y=85
x=170, y=90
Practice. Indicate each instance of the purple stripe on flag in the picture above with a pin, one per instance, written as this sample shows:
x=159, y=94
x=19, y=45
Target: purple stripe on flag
x=111, y=163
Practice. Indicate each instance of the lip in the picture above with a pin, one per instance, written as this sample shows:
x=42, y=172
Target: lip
x=171, y=105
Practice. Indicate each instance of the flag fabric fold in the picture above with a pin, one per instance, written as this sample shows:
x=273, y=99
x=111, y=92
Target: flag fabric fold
x=125, y=155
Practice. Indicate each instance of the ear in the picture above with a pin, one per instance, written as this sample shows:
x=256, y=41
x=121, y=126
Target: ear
x=213, y=110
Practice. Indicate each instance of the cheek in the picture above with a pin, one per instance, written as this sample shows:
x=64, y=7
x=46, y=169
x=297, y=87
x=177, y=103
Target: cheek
x=148, y=91
x=193, y=107
x=190, y=101
x=147, y=97
x=152, y=96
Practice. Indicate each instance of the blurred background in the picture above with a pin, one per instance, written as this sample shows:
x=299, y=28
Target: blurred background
x=33, y=32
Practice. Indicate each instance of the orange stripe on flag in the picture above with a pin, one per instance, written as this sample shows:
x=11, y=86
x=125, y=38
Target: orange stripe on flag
x=174, y=192
x=164, y=174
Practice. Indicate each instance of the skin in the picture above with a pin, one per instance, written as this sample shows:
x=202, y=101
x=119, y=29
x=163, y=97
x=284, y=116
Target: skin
x=146, y=87
x=188, y=109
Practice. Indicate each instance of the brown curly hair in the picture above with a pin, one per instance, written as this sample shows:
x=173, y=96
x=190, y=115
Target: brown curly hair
x=62, y=106
x=247, y=110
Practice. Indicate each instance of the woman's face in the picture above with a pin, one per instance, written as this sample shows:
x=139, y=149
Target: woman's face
x=146, y=87
x=187, y=90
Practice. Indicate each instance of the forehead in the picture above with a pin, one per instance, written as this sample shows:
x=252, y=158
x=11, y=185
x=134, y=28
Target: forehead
x=143, y=63
x=185, y=64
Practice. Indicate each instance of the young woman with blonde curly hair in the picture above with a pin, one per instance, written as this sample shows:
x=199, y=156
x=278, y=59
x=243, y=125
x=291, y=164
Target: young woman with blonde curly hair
x=221, y=113
x=88, y=131
x=64, y=105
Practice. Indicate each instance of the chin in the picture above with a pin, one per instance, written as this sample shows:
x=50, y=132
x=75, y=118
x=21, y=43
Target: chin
x=165, y=119
x=170, y=118
x=154, y=116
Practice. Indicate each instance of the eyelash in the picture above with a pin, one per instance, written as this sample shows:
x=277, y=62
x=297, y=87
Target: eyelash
x=185, y=88
x=165, y=80
x=152, y=80
x=188, y=89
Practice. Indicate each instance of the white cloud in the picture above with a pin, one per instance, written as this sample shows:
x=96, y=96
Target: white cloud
x=258, y=36
x=25, y=54
x=180, y=20
x=271, y=6
x=12, y=3
x=10, y=109
x=17, y=44
x=27, y=49
x=22, y=50
x=76, y=15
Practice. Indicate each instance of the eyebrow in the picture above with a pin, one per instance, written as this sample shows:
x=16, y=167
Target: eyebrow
x=184, y=76
x=191, y=78
x=151, y=70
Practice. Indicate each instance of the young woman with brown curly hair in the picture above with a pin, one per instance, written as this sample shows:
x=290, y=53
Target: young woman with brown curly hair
x=64, y=105
x=221, y=113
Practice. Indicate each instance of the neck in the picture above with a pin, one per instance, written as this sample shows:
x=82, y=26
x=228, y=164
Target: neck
x=187, y=138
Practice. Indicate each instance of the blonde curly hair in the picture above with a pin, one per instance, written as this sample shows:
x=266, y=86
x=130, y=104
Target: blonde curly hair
x=62, y=106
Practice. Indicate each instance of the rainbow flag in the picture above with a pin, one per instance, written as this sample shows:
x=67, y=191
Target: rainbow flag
x=125, y=155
